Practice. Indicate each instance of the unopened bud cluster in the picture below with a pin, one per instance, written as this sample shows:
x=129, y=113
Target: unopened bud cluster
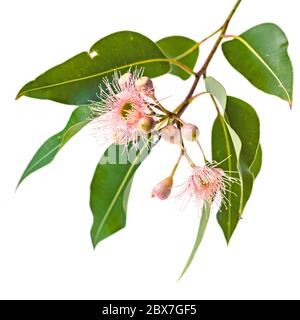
x=172, y=134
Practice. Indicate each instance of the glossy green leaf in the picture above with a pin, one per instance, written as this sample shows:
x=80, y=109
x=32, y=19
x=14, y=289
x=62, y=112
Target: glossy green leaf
x=183, y=49
x=201, y=230
x=77, y=80
x=222, y=148
x=241, y=119
x=110, y=189
x=46, y=153
x=257, y=163
x=260, y=54
x=215, y=88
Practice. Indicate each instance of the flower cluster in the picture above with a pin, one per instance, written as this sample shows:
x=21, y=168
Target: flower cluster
x=123, y=113
x=129, y=111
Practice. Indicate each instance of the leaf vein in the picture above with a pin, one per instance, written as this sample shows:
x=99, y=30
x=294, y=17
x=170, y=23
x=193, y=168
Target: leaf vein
x=281, y=85
x=99, y=229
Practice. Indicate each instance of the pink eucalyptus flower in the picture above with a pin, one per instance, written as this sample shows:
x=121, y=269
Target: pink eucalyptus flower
x=119, y=111
x=206, y=183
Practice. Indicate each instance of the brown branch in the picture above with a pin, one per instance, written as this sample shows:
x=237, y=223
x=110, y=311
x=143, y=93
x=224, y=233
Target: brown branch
x=202, y=71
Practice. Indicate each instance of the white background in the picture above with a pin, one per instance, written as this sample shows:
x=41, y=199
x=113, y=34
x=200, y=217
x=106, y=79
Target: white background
x=45, y=247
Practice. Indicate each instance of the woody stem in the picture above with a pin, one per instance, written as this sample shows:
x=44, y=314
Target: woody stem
x=203, y=69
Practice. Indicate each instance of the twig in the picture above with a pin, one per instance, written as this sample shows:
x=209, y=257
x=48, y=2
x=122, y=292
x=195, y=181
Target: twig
x=202, y=70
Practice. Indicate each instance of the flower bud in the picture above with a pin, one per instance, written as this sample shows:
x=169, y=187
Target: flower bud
x=190, y=132
x=146, y=124
x=171, y=134
x=125, y=80
x=163, y=189
x=145, y=85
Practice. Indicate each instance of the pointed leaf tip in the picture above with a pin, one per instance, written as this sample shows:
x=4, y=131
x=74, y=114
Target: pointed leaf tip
x=236, y=135
x=206, y=210
x=76, y=81
x=80, y=117
x=263, y=50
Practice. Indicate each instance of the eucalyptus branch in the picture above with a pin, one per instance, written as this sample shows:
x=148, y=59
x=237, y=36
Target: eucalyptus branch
x=168, y=114
x=202, y=70
x=188, y=158
x=176, y=164
x=184, y=152
x=202, y=151
x=117, y=72
x=190, y=101
x=197, y=45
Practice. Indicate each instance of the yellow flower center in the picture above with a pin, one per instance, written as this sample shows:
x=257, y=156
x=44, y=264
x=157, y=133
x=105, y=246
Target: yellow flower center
x=203, y=182
x=125, y=110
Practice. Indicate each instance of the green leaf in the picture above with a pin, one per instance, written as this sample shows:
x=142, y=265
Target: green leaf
x=260, y=54
x=202, y=227
x=241, y=119
x=182, y=49
x=110, y=189
x=222, y=148
x=256, y=164
x=215, y=88
x=76, y=81
x=49, y=149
